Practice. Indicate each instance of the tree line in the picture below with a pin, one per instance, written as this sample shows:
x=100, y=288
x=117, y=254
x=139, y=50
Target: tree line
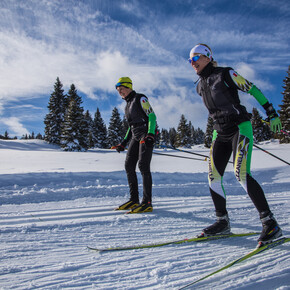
x=73, y=129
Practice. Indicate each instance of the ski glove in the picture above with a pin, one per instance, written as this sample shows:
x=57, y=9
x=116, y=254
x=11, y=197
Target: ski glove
x=118, y=147
x=275, y=122
x=149, y=140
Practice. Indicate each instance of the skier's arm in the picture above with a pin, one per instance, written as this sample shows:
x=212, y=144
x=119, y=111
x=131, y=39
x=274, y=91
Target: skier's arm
x=234, y=79
x=121, y=147
x=128, y=134
x=150, y=113
x=151, y=123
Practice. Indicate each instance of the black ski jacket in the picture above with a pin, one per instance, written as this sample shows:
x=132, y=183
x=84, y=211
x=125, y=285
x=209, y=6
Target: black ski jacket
x=135, y=115
x=220, y=96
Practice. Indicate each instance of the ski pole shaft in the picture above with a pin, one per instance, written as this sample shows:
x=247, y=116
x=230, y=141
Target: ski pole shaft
x=171, y=155
x=185, y=151
x=271, y=154
x=194, y=153
x=284, y=132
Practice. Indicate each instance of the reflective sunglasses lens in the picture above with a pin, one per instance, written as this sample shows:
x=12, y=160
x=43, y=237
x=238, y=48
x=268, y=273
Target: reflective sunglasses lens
x=194, y=59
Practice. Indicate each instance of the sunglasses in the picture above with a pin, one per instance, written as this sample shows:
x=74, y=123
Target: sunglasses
x=194, y=58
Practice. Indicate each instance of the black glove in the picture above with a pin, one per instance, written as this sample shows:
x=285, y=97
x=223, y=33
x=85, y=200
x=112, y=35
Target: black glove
x=149, y=140
x=119, y=148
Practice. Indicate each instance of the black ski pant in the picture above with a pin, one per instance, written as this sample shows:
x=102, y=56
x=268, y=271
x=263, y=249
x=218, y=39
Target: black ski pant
x=139, y=152
x=240, y=143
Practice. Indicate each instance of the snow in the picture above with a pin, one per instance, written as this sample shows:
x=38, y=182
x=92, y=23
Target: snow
x=53, y=204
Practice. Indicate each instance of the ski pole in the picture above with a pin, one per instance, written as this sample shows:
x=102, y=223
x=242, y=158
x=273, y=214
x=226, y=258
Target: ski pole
x=271, y=154
x=174, y=148
x=284, y=132
x=171, y=155
x=185, y=151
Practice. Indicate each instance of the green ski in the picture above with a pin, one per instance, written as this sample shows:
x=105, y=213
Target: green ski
x=195, y=239
x=241, y=259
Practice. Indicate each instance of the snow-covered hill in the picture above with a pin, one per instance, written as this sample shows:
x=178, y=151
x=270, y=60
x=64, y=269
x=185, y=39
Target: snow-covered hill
x=53, y=204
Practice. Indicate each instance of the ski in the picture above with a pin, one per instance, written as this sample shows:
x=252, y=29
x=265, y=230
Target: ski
x=256, y=251
x=175, y=242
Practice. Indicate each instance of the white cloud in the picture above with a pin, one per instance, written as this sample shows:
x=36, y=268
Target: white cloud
x=92, y=48
x=15, y=126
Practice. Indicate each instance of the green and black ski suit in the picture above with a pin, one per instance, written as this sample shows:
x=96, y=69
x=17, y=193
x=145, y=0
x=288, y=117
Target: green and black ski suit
x=142, y=121
x=233, y=132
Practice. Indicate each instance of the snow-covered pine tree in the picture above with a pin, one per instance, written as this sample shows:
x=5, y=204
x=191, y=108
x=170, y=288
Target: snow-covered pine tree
x=172, y=136
x=39, y=136
x=114, y=130
x=90, y=135
x=99, y=131
x=208, y=133
x=164, y=138
x=284, y=112
x=74, y=133
x=191, y=134
x=54, y=119
x=199, y=136
x=261, y=130
x=183, y=133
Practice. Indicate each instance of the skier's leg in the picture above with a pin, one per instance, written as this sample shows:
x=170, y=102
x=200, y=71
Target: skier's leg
x=220, y=153
x=145, y=156
x=242, y=148
x=130, y=167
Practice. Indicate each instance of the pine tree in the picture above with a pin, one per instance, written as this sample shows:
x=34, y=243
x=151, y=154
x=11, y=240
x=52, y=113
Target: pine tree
x=164, y=138
x=199, y=136
x=39, y=136
x=54, y=119
x=6, y=136
x=208, y=133
x=261, y=130
x=172, y=136
x=183, y=133
x=90, y=135
x=192, y=134
x=284, y=112
x=75, y=132
x=99, y=131
x=114, y=132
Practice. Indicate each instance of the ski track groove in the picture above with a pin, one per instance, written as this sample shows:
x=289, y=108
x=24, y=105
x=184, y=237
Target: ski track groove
x=110, y=267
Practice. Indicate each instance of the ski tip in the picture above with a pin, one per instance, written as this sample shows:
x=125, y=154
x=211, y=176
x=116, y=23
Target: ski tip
x=93, y=249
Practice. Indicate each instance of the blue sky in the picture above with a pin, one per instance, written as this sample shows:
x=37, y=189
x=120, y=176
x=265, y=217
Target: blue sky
x=92, y=43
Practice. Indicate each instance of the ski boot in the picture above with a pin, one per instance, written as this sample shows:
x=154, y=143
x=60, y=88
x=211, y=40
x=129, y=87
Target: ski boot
x=220, y=227
x=141, y=208
x=128, y=205
x=271, y=230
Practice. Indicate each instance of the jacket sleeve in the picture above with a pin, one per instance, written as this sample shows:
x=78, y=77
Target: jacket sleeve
x=233, y=79
x=127, y=137
x=150, y=113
